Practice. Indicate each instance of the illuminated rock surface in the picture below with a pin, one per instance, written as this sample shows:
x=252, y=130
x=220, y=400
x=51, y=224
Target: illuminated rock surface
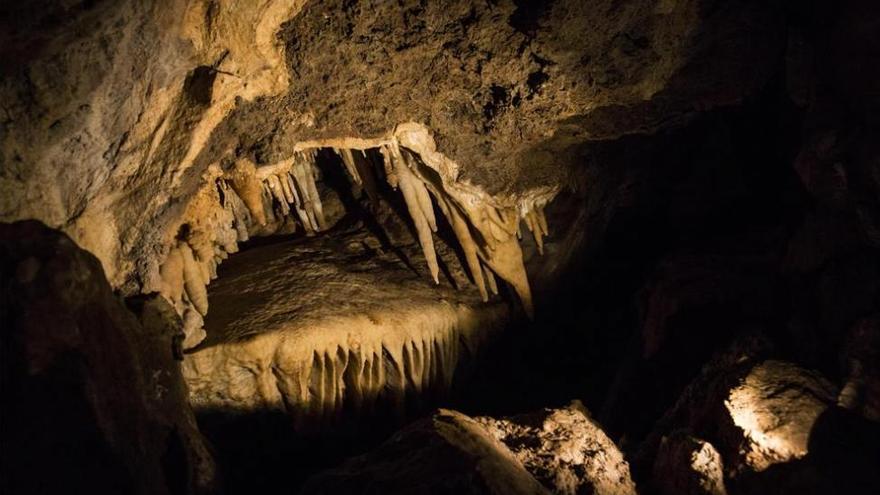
x=774, y=409
x=315, y=325
x=566, y=450
x=686, y=465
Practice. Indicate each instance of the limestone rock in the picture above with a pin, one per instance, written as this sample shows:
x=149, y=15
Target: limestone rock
x=114, y=111
x=686, y=465
x=566, y=450
x=448, y=453
x=773, y=411
x=95, y=402
x=319, y=325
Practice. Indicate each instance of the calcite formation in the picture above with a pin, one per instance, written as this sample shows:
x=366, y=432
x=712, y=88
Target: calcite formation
x=247, y=200
x=318, y=327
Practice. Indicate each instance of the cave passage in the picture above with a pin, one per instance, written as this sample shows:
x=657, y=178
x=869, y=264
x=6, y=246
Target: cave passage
x=506, y=247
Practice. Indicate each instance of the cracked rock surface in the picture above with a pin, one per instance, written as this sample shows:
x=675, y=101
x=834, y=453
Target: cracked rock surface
x=566, y=450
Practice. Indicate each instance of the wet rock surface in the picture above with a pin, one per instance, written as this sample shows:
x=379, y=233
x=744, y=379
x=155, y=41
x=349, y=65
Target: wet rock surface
x=96, y=402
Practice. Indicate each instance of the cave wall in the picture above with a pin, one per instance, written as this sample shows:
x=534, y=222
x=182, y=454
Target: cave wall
x=115, y=110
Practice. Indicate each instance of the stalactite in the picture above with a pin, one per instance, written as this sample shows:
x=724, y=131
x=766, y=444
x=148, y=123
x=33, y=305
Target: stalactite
x=171, y=273
x=193, y=280
x=412, y=188
x=368, y=178
x=304, y=173
x=249, y=188
x=278, y=193
x=350, y=167
x=240, y=213
x=468, y=246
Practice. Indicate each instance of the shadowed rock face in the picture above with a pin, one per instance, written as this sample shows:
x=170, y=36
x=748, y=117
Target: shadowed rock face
x=96, y=402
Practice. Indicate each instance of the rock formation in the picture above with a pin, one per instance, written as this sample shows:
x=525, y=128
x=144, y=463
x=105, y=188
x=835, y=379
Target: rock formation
x=317, y=220
x=96, y=401
x=566, y=450
x=688, y=466
x=446, y=453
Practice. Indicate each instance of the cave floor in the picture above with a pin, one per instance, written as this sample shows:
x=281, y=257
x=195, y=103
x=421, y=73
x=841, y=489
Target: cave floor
x=293, y=284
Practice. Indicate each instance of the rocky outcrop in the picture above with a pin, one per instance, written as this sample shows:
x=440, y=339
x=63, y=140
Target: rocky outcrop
x=686, y=465
x=563, y=449
x=107, y=104
x=446, y=453
x=336, y=324
x=566, y=450
x=115, y=111
x=763, y=417
x=773, y=411
x=95, y=402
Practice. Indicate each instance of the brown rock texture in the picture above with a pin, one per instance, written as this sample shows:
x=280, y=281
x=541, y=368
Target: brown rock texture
x=773, y=411
x=445, y=453
x=686, y=465
x=95, y=402
x=565, y=449
x=335, y=325
x=115, y=110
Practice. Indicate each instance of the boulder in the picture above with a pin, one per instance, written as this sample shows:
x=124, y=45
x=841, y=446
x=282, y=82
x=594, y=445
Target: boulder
x=686, y=465
x=445, y=453
x=773, y=411
x=566, y=450
x=94, y=400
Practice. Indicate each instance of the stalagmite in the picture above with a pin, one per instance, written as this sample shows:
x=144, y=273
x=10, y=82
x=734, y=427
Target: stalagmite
x=193, y=282
x=249, y=188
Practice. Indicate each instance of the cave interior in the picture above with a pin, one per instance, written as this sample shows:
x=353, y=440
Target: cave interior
x=457, y=246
